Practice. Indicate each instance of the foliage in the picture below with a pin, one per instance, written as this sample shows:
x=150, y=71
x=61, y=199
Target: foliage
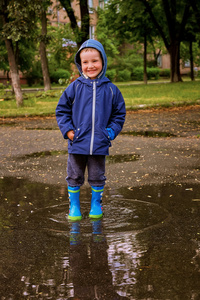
x=138, y=73
x=129, y=60
x=165, y=73
x=127, y=23
x=124, y=75
x=105, y=34
x=141, y=20
x=3, y=57
x=111, y=74
x=59, y=74
x=120, y=68
x=61, y=48
x=185, y=53
x=21, y=19
x=34, y=75
x=153, y=73
x=27, y=54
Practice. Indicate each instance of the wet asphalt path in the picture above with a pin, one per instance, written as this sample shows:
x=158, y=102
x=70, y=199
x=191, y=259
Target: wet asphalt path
x=147, y=246
x=166, y=144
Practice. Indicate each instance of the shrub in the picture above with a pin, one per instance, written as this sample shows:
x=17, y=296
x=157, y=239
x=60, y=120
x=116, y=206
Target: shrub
x=153, y=73
x=137, y=73
x=165, y=73
x=35, y=74
x=1, y=86
x=111, y=74
x=59, y=74
x=121, y=63
x=124, y=75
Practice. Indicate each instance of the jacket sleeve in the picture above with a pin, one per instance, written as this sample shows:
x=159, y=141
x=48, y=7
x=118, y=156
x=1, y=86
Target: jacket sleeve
x=117, y=118
x=64, y=110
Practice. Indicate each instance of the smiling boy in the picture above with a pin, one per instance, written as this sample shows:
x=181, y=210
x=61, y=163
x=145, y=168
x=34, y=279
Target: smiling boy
x=90, y=114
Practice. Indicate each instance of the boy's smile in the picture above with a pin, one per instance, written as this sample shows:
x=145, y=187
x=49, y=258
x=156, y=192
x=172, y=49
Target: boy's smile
x=91, y=62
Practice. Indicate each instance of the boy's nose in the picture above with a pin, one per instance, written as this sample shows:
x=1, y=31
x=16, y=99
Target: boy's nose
x=90, y=65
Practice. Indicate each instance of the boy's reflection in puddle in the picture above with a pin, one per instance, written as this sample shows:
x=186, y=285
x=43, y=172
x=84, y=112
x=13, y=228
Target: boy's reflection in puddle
x=90, y=273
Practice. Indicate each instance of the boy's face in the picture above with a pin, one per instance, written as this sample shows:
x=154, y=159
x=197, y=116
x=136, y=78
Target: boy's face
x=91, y=62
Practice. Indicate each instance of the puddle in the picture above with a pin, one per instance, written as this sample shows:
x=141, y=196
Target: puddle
x=10, y=124
x=146, y=246
x=127, y=212
x=43, y=154
x=149, y=133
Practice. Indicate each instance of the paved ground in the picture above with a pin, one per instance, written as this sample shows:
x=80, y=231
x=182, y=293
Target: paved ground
x=155, y=146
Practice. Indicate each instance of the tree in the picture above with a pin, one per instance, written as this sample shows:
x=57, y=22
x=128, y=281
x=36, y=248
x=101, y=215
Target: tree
x=127, y=22
x=4, y=65
x=61, y=48
x=104, y=31
x=81, y=34
x=196, y=9
x=43, y=42
x=141, y=29
x=19, y=19
x=175, y=15
x=190, y=37
x=7, y=35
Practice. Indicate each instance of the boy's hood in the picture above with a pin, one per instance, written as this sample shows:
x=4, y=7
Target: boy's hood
x=96, y=45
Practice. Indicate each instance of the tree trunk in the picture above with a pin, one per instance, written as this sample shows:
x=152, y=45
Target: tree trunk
x=14, y=73
x=174, y=62
x=145, y=59
x=85, y=21
x=43, y=55
x=178, y=64
x=191, y=62
x=83, y=34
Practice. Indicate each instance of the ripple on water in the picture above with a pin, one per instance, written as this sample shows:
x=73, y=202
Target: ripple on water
x=120, y=216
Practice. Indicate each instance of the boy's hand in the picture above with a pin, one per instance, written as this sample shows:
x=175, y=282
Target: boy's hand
x=70, y=135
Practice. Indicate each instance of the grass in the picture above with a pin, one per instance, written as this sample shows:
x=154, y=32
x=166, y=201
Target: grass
x=160, y=94
x=35, y=104
x=163, y=94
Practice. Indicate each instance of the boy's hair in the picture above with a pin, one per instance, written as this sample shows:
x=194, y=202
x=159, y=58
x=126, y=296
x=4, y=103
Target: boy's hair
x=88, y=49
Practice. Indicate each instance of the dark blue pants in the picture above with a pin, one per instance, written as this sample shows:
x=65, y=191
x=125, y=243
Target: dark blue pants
x=76, y=166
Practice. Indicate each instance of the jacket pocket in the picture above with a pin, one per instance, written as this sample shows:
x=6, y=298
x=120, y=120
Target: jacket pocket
x=103, y=137
x=80, y=134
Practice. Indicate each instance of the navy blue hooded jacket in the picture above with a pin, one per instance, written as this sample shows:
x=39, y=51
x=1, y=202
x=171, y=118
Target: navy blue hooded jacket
x=89, y=107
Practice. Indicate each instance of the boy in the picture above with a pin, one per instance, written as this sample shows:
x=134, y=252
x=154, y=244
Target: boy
x=90, y=113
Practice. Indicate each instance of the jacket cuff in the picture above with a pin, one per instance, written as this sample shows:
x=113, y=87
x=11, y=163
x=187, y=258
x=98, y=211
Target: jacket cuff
x=111, y=133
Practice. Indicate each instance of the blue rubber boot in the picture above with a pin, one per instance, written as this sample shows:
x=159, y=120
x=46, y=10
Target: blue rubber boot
x=74, y=203
x=96, y=211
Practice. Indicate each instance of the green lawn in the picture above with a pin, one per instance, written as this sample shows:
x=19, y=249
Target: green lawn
x=162, y=94
x=39, y=103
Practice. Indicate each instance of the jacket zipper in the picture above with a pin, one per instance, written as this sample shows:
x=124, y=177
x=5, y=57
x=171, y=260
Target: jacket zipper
x=93, y=117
